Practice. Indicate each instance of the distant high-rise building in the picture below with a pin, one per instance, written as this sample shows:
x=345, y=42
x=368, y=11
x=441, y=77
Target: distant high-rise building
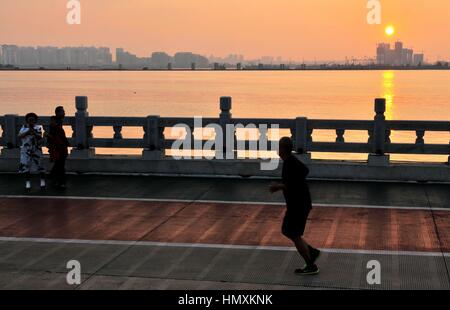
x=27, y=56
x=407, y=58
x=10, y=55
x=104, y=56
x=128, y=60
x=383, y=53
x=160, y=60
x=186, y=59
x=49, y=56
x=399, y=56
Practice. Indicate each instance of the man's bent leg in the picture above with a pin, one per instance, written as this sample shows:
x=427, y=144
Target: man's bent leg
x=303, y=249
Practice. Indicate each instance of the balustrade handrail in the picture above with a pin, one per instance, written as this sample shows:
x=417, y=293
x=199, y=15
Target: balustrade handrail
x=155, y=143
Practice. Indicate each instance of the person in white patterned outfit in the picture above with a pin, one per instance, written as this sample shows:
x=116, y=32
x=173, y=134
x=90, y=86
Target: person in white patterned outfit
x=31, y=136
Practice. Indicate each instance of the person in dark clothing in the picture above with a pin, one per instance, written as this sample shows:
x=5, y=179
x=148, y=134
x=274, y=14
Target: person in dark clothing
x=298, y=205
x=58, y=148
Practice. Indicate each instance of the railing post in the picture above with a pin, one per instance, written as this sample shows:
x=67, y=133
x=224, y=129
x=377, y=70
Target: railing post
x=301, y=139
x=154, y=139
x=378, y=157
x=82, y=130
x=10, y=136
x=224, y=120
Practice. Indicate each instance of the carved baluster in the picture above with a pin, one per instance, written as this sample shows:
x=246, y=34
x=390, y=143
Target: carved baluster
x=340, y=135
x=117, y=132
x=388, y=136
x=420, y=137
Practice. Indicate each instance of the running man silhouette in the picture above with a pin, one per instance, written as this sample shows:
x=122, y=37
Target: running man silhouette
x=298, y=202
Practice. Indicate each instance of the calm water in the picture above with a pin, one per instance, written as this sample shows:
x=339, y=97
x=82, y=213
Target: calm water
x=421, y=95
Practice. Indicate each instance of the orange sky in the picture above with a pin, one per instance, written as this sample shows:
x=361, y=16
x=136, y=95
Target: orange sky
x=295, y=29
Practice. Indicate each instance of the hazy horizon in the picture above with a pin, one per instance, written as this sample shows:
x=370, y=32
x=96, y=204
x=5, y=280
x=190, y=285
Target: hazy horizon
x=319, y=30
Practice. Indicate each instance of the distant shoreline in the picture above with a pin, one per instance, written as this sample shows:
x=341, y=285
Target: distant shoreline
x=423, y=68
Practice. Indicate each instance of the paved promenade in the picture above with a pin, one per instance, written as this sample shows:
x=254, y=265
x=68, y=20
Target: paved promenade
x=151, y=232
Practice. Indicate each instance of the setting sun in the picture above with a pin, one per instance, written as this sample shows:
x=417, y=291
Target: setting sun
x=390, y=30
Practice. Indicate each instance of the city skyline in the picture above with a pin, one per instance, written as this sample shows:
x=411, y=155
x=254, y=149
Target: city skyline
x=103, y=57
x=321, y=31
x=114, y=57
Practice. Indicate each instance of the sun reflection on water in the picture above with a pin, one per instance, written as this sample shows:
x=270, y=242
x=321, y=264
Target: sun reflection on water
x=388, y=93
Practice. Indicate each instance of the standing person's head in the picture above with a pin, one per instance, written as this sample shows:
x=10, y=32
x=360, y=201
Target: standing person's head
x=31, y=119
x=285, y=147
x=60, y=113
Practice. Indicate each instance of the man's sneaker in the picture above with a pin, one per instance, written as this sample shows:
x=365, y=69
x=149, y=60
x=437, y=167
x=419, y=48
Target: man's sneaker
x=308, y=270
x=315, y=254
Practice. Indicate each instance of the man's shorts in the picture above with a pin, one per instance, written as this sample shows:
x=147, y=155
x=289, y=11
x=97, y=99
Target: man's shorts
x=294, y=224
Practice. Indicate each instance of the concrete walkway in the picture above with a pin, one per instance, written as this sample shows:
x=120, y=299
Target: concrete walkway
x=137, y=232
x=36, y=265
x=409, y=195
